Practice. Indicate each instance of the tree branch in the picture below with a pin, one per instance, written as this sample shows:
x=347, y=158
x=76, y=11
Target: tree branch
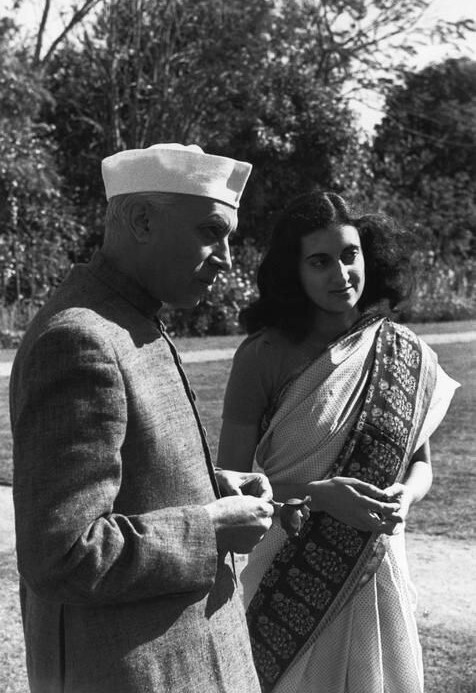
x=41, y=31
x=77, y=17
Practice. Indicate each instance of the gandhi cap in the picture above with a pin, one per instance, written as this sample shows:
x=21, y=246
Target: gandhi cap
x=175, y=168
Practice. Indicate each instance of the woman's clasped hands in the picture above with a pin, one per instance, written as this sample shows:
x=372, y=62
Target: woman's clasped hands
x=360, y=504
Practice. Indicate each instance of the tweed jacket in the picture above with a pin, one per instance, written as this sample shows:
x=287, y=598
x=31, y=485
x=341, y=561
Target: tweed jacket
x=122, y=589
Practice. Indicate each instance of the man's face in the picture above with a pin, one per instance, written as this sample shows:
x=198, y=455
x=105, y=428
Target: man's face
x=187, y=246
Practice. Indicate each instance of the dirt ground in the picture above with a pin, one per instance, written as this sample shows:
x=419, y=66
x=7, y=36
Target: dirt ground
x=444, y=572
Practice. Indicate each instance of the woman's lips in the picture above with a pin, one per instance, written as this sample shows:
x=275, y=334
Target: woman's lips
x=342, y=291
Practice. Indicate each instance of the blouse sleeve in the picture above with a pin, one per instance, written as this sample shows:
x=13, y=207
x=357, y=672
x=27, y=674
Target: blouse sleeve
x=249, y=386
x=443, y=392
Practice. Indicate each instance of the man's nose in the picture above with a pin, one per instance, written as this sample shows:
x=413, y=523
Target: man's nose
x=221, y=256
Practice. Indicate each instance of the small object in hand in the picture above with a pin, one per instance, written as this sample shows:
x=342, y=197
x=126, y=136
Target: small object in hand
x=293, y=514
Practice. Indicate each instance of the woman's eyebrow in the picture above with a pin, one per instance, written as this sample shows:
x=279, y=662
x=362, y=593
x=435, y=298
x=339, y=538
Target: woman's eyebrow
x=317, y=254
x=321, y=253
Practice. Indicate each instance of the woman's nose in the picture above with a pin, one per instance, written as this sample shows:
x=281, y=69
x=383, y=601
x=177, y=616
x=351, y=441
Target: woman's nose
x=342, y=271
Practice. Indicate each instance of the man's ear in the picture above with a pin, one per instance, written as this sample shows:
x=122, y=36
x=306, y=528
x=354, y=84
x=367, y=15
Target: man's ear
x=139, y=221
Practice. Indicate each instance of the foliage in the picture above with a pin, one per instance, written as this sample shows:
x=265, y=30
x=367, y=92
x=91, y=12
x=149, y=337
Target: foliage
x=79, y=12
x=148, y=71
x=442, y=291
x=37, y=229
x=424, y=155
x=298, y=134
x=432, y=114
x=267, y=81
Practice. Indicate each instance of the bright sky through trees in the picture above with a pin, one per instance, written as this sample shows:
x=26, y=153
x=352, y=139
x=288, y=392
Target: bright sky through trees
x=368, y=104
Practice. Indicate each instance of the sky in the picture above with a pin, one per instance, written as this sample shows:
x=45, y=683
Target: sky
x=368, y=106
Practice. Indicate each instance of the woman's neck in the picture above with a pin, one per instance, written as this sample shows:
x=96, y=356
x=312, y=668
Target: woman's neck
x=329, y=326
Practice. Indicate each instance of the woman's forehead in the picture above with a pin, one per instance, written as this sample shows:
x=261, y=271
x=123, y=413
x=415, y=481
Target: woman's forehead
x=333, y=236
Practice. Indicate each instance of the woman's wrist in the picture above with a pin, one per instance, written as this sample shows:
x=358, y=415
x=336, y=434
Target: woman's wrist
x=318, y=492
x=282, y=492
x=418, y=482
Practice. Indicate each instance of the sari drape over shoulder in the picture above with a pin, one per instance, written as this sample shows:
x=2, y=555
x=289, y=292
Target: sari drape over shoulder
x=325, y=610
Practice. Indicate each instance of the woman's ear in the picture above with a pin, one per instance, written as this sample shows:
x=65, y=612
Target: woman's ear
x=139, y=221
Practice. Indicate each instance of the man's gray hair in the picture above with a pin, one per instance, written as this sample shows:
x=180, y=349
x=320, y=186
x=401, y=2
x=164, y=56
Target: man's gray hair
x=118, y=207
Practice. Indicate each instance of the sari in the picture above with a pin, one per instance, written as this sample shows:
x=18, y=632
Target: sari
x=333, y=610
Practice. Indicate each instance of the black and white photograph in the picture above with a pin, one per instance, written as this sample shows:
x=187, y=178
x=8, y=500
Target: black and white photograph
x=237, y=346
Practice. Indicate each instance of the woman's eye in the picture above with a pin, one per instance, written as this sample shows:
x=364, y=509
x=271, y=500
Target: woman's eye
x=317, y=261
x=349, y=256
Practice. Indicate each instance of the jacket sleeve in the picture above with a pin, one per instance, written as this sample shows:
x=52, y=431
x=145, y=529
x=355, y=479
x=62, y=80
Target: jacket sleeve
x=69, y=418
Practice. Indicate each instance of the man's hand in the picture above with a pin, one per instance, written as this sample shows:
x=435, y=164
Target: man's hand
x=240, y=521
x=243, y=483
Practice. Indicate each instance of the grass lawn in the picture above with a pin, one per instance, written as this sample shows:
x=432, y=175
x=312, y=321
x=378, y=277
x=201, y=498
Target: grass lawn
x=5, y=435
x=449, y=509
x=449, y=662
x=12, y=652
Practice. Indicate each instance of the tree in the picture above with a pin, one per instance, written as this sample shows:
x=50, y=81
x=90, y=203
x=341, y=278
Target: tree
x=424, y=154
x=39, y=41
x=147, y=71
x=37, y=229
x=268, y=80
x=202, y=71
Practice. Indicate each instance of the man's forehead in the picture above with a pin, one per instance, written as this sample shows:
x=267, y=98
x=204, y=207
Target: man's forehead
x=212, y=210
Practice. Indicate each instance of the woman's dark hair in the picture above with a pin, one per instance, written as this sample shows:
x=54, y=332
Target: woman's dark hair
x=282, y=302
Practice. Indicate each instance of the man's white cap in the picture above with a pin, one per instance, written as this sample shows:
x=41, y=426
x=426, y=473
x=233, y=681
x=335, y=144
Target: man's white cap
x=175, y=168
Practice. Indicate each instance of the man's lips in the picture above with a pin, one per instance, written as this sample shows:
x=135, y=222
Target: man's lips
x=207, y=281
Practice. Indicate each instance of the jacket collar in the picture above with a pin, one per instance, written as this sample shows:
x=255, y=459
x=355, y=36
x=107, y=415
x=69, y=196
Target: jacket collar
x=127, y=287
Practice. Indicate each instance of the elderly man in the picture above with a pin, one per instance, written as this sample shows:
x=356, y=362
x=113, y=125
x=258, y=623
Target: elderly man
x=123, y=542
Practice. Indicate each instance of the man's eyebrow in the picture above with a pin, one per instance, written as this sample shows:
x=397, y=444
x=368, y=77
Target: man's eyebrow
x=214, y=218
x=217, y=220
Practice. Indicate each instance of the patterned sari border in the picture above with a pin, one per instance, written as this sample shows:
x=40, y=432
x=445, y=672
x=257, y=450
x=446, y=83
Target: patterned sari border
x=314, y=575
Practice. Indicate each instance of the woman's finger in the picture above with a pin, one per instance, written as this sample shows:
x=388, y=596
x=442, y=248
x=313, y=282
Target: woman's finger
x=367, y=489
x=385, y=509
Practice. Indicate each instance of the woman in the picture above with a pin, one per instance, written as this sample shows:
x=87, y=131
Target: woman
x=333, y=400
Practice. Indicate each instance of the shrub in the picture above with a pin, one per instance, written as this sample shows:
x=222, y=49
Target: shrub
x=443, y=291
